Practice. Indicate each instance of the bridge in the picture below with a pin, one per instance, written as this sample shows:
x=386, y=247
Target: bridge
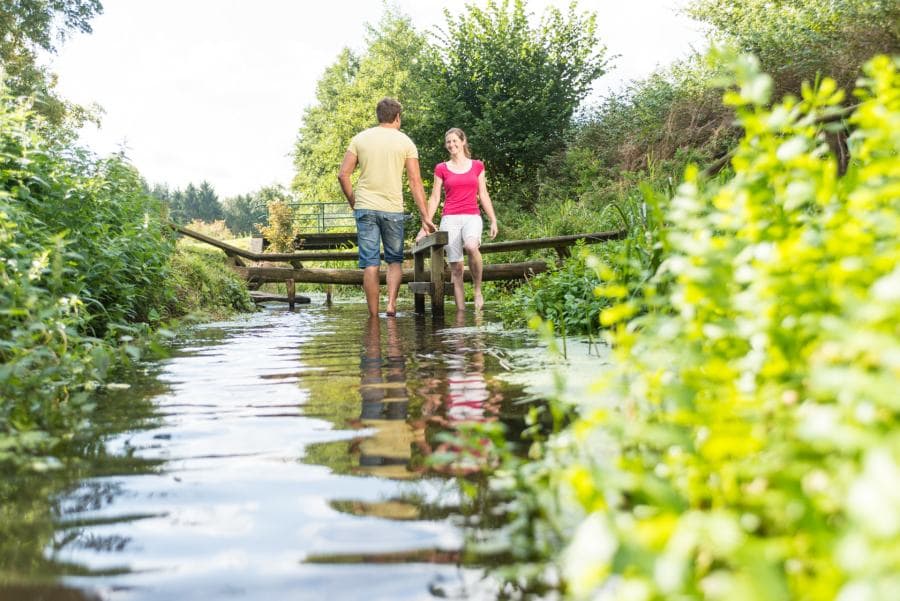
x=256, y=266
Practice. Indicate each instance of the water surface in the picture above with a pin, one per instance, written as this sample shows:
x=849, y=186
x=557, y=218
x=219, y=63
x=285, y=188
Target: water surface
x=279, y=455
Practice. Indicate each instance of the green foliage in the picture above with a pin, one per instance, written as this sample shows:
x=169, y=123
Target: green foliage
x=84, y=255
x=194, y=202
x=675, y=108
x=346, y=96
x=281, y=230
x=243, y=214
x=204, y=286
x=744, y=444
x=799, y=40
x=563, y=296
x=512, y=86
x=29, y=26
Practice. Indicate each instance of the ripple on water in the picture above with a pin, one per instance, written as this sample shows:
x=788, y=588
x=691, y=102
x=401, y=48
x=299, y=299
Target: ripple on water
x=288, y=462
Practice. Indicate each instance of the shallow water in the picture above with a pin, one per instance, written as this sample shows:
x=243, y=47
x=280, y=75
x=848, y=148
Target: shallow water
x=280, y=455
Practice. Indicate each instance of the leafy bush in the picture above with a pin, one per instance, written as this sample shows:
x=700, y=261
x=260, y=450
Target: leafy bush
x=744, y=445
x=281, y=230
x=83, y=255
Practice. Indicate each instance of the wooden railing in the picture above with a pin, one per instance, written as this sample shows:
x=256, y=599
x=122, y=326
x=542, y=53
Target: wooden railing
x=431, y=281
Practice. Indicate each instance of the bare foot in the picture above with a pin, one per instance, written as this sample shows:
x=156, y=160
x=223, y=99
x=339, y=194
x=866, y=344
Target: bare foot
x=391, y=311
x=479, y=301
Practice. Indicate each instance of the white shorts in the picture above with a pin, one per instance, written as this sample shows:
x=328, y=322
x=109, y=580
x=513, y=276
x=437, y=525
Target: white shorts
x=461, y=229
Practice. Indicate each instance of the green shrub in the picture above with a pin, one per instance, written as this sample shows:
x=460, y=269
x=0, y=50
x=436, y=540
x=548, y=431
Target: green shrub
x=744, y=445
x=84, y=259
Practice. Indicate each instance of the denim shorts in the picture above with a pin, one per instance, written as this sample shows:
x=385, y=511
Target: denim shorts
x=374, y=228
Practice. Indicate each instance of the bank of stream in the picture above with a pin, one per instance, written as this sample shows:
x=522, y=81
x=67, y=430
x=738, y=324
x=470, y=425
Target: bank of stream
x=278, y=455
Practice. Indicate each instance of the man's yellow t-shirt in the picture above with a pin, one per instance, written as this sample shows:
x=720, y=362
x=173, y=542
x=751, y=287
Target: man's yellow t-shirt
x=381, y=154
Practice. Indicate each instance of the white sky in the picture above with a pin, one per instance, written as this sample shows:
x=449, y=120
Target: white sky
x=215, y=89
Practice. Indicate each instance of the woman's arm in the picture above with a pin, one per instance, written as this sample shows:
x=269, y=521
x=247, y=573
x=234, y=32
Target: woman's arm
x=486, y=204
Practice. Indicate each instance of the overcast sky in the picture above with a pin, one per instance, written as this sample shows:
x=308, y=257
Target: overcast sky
x=215, y=89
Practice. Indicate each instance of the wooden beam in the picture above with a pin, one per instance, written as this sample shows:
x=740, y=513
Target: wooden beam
x=435, y=239
x=261, y=297
x=420, y=288
x=439, y=238
x=497, y=271
x=419, y=277
x=437, y=275
x=291, y=293
x=552, y=242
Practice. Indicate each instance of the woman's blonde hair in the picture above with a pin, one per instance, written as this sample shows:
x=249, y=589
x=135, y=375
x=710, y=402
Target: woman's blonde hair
x=462, y=136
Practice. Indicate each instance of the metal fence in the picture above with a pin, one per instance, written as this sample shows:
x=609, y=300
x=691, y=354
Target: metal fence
x=323, y=216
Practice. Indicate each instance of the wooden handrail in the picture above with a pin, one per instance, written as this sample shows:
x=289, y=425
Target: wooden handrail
x=552, y=242
x=436, y=238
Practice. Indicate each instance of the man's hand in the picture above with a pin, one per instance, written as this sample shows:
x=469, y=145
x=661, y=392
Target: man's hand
x=428, y=225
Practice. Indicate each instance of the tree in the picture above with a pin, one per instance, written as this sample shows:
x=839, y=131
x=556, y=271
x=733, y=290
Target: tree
x=27, y=26
x=512, y=86
x=346, y=96
x=208, y=207
x=800, y=40
x=243, y=213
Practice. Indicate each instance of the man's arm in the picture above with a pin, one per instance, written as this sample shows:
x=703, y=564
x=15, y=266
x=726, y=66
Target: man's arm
x=433, y=201
x=418, y=192
x=347, y=167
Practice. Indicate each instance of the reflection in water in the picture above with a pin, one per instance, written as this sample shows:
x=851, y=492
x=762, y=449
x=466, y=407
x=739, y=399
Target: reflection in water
x=242, y=478
x=385, y=403
x=460, y=396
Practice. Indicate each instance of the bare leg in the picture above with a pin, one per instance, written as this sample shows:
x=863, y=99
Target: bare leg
x=371, y=285
x=459, y=292
x=394, y=279
x=476, y=270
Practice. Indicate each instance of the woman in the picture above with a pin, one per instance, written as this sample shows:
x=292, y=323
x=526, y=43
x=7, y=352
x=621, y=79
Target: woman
x=464, y=181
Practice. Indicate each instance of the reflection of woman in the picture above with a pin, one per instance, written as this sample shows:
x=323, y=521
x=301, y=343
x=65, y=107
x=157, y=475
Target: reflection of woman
x=468, y=398
x=465, y=184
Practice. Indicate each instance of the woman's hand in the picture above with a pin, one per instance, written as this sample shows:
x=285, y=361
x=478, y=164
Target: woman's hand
x=493, y=229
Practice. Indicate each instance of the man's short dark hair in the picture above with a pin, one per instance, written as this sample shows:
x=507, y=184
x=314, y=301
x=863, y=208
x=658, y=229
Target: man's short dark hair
x=387, y=110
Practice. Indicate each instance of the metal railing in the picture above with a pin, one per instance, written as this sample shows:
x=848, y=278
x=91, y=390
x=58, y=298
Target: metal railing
x=323, y=217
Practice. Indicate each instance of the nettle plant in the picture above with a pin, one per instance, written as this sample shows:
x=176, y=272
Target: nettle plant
x=745, y=446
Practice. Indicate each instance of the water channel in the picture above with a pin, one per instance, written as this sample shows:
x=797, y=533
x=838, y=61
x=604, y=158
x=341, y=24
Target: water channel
x=279, y=455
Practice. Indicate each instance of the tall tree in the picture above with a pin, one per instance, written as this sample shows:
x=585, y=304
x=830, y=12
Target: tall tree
x=346, y=96
x=208, y=207
x=27, y=26
x=243, y=213
x=514, y=86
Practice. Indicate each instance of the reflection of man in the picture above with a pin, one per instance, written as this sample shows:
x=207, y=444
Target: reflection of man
x=385, y=403
x=382, y=153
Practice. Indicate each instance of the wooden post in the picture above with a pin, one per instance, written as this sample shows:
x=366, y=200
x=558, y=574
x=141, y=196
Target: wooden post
x=437, y=279
x=291, y=293
x=419, y=276
x=562, y=253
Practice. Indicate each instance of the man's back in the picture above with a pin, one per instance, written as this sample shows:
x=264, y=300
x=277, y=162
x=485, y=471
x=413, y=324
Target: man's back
x=381, y=153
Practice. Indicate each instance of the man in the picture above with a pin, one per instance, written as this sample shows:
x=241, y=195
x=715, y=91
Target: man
x=382, y=153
